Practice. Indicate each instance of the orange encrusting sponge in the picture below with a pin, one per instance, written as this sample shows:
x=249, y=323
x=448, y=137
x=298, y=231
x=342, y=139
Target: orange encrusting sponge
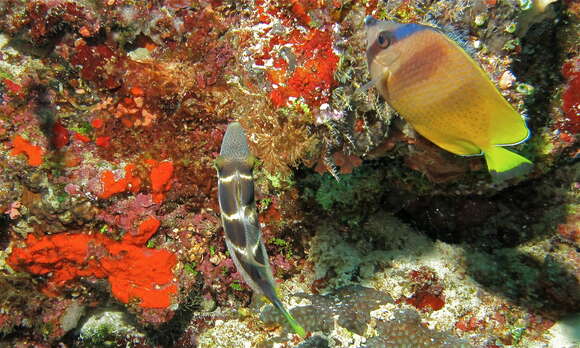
x=23, y=146
x=134, y=271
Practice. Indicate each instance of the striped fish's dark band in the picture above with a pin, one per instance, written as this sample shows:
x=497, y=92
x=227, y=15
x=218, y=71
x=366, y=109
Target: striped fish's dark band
x=237, y=204
x=235, y=186
x=236, y=197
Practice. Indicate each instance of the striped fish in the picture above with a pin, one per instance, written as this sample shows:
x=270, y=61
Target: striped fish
x=240, y=218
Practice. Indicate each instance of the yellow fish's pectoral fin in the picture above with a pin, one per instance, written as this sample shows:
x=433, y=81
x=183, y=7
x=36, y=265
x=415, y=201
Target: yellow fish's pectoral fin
x=454, y=145
x=504, y=164
x=365, y=87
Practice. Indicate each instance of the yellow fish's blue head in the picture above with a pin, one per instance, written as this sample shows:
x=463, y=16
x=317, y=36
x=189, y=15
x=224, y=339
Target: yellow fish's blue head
x=386, y=49
x=383, y=35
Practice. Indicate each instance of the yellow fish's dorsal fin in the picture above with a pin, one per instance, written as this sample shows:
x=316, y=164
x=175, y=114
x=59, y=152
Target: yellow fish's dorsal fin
x=504, y=164
x=454, y=34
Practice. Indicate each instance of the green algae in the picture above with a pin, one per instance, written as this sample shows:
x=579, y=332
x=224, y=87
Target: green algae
x=356, y=190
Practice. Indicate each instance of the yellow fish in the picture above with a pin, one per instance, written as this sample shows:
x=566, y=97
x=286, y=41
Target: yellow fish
x=438, y=88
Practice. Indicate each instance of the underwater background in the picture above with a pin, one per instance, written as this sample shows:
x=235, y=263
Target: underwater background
x=112, y=113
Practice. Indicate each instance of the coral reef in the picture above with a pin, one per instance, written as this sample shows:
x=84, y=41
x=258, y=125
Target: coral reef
x=405, y=329
x=349, y=306
x=112, y=113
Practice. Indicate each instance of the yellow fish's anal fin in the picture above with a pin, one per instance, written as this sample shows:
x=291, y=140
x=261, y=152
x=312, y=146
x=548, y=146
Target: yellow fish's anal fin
x=453, y=145
x=459, y=147
x=504, y=164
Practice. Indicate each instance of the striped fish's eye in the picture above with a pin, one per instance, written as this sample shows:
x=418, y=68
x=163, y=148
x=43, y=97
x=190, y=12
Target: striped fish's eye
x=384, y=39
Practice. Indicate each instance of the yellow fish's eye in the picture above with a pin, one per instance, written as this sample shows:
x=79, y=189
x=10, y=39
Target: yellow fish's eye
x=384, y=39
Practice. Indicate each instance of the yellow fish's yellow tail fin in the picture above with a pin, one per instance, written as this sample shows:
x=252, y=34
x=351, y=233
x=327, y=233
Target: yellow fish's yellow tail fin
x=504, y=164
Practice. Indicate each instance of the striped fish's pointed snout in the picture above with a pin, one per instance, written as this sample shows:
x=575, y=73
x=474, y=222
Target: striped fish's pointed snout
x=234, y=144
x=370, y=21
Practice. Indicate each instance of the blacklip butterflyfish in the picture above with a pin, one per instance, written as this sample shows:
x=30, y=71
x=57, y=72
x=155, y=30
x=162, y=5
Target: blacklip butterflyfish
x=240, y=219
x=442, y=92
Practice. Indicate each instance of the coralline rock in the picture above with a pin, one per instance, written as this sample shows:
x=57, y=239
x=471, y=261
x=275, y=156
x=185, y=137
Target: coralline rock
x=406, y=330
x=349, y=306
x=113, y=113
x=230, y=333
x=314, y=342
x=71, y=316
x=565, y=332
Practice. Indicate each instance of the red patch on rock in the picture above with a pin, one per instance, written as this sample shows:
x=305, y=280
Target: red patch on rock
x=314, y=79
x=161, y=173
x=103, y=141
x=146, y=230
x=12, y=87
x=135, y=272
x=470, y=324
x=426, y=301
x=60, y=134
x=428, y=292
x=111, y=186
x=23, y=146
x=82, y=137
x=97, y=123
x=571, y=97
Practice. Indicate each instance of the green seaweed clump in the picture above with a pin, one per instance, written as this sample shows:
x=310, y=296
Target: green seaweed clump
x=345, y=198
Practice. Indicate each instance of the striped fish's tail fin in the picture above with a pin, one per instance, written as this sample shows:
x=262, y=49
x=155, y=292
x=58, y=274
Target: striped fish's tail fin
x=298, y=329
